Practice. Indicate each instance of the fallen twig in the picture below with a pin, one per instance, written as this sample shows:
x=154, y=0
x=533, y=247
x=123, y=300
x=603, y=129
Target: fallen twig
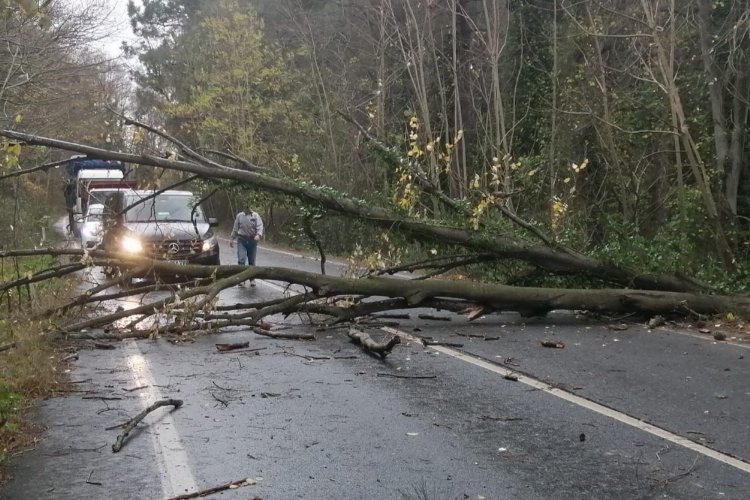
x=554, y=344
x=130, y=424
x=232, y=347
x=8, y=346
x=426, y=342
x=222, y=401
x=308, y=357
x=476, y=336
x=89, y=481
x=433, y=317
x=406, y=376
x=284, y=335
x=382, y=348
x=216, y=489
x=392, y=316
x=500, y=419
x=255, y=350
x=101, y=345
x=135, y=388
x=70, y=357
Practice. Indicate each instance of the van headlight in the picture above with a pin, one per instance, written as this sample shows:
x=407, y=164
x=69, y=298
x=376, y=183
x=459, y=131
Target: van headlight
x=209, y=244
x=131, y=245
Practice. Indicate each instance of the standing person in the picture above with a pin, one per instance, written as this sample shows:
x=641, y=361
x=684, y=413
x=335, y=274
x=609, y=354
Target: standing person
x=247, y=230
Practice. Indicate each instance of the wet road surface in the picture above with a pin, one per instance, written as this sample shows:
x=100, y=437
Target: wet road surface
x=322, y=419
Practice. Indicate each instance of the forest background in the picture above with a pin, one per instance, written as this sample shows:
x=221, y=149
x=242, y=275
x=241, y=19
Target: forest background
x=616, y=128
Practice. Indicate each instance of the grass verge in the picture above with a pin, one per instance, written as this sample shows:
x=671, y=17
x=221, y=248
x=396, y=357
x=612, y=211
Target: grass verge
x=31, y=365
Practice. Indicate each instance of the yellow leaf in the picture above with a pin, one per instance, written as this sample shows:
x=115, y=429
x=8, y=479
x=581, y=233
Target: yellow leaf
x=533, y=172
x=14, y=149
x=566, y=180
x=19, y=118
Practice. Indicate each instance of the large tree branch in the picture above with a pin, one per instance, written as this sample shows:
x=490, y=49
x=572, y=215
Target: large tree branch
x=500, y=246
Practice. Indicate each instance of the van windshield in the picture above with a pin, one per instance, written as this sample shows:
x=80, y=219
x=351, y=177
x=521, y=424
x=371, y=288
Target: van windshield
x=164, y=207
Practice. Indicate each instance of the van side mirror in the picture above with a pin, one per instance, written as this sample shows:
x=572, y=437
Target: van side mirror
x=213, y=221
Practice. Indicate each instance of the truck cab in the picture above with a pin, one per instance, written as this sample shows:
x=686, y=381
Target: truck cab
x=84, y=174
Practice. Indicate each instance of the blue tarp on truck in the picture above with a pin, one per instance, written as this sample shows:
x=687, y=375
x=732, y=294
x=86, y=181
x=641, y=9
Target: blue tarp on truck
x=76, y=164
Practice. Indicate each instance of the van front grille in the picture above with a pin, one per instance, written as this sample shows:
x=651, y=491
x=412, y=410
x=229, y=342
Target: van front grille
x=174, y=249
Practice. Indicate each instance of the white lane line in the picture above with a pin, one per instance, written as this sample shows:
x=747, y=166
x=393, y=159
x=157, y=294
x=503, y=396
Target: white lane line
x=586, y=403
x=706, y=338
x=172, y=460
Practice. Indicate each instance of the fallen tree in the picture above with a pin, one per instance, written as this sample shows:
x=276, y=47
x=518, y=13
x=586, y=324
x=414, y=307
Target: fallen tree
x=320, y=297
x=191, y=305
x=552, y=258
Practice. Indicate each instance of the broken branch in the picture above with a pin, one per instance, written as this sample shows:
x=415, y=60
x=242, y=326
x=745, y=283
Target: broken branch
x=216, y=489
x=130, y=424
x=232, y=347
x=382, y=348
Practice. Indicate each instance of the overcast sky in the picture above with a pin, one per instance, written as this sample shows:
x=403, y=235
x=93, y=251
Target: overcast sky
x=117, y=26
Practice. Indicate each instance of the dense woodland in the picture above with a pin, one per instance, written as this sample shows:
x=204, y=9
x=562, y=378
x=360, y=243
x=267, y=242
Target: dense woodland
x=615, y=128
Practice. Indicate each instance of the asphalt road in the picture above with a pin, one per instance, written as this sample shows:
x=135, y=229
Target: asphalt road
x=614, y=414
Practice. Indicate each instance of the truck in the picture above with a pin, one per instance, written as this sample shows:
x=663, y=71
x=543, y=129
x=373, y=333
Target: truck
x=86, y=177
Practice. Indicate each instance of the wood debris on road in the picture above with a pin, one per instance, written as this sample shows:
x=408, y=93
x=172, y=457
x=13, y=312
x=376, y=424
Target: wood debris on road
x=232, y=347
x=216, y=489
x=416, y=377
x=553, y=344
x=382, y=348
x=130, y=424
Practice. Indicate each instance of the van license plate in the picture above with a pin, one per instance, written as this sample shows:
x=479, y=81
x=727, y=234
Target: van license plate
x=180, y=262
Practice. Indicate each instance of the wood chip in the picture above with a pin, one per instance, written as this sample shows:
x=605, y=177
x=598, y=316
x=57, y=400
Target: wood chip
x=618, y=327
x=553, y=344
x=231, y=347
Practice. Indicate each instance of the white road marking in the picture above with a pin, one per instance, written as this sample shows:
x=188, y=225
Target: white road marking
x=737, y=463
x=572, y=398
x=706, y=338
x=172, y=460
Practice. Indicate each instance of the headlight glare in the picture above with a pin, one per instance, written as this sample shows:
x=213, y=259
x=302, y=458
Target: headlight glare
x=131, y=245
x=209, y=244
